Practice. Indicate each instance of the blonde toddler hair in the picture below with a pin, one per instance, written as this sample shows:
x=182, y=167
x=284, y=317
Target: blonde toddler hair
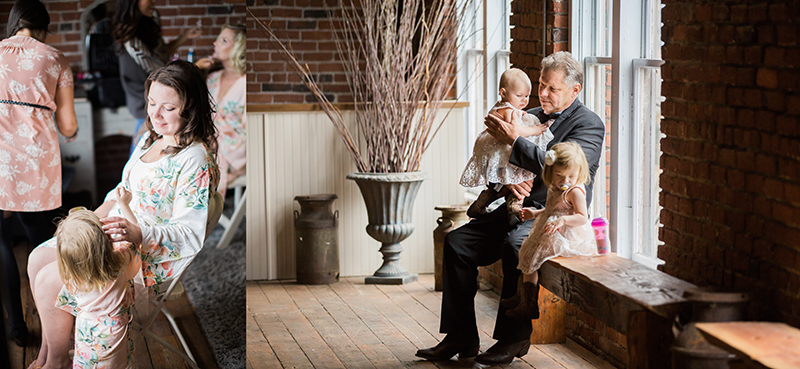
x=512, y=77
x=86, y=256
x=570, y=155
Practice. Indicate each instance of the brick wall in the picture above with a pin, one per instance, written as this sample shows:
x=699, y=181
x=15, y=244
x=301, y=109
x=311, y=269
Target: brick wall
x=305, y=26
x=176, y=16
x=527, y=35
x=731, y=180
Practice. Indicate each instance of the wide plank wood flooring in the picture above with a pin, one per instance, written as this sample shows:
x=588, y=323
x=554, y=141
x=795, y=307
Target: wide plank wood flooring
x=149, y=353
x=350, y=324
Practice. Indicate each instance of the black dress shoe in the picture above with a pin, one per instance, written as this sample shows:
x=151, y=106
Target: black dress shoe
x=504, y=352
x=450, y=346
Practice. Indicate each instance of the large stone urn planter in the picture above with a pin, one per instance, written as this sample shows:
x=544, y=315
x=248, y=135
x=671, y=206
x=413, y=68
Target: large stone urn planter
x=389, y=198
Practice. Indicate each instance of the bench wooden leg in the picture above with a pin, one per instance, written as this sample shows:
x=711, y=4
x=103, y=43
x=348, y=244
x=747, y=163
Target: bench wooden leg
x=551, y=325
x=649, y=339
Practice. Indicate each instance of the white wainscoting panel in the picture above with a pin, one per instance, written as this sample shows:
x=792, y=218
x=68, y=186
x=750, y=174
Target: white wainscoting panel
x=300, y=153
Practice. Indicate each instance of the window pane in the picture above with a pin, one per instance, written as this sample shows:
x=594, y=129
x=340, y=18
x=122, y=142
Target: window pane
x=602, y=27
x=648, y=121
x=598, y=99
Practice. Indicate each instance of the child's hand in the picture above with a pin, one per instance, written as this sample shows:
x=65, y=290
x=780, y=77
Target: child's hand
x=554, y=226
x=123, y=196
x=526, y=214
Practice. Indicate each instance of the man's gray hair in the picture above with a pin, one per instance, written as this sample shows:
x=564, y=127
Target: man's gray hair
x=563, y=61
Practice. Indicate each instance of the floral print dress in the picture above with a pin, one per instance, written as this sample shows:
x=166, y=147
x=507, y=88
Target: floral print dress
x=102, y=337
x=231, y=127
x=170, y=198
x=30, y=158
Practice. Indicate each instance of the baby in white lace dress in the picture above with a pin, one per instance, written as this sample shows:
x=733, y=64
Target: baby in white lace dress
x=489, y=164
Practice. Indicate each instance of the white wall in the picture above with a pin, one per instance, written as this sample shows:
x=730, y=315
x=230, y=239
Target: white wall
x=299, y=153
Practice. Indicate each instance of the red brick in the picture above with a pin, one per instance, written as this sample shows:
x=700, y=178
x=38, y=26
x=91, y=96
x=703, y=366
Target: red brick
x=777, y=12
x=767, y=78
x=757, y=13
x=774, y=56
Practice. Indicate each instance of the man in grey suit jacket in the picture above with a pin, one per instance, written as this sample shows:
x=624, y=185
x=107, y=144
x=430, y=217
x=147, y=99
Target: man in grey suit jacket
x=490, y=237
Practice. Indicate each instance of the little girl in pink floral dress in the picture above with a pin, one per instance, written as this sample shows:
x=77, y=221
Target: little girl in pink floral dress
x=99, y=273
x=560, y=229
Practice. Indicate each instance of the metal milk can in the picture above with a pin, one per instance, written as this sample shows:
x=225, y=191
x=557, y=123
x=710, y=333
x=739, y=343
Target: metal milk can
x=453, y=216
x=690, y=349
x=316, y=244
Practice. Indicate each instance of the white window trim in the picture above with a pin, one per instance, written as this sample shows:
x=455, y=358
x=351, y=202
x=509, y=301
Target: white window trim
x=484, y=55
x=629, y=19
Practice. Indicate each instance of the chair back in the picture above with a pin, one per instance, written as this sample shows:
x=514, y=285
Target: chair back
x=215, y=204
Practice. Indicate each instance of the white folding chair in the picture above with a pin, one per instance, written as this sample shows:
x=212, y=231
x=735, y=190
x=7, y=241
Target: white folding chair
x=175, y=291
x=239, y=208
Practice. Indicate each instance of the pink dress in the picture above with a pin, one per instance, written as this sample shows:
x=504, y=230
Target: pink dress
x=231, y=127
x=539, y=246
x=30, y=159
x=102, y=337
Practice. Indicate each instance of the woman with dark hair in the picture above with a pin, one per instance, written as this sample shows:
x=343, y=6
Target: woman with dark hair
x=137, y=32
x=172, y=175
x=228, y=87
x=35, y=82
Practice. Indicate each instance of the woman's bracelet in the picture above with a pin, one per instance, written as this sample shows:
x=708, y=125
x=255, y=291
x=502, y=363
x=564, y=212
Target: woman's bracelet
x=73, y=137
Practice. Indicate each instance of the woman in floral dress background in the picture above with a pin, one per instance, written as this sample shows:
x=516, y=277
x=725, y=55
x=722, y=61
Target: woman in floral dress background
x=228, y=88
x=35, y=82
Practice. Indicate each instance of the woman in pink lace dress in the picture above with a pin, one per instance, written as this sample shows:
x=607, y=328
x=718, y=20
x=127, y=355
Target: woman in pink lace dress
x=35, y=82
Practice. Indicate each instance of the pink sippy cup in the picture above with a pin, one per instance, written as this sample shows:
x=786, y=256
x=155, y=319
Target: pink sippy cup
x=600, y=226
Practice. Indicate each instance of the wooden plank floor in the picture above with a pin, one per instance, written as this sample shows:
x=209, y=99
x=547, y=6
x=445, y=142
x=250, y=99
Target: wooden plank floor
x=349, y=324
x=149, y=353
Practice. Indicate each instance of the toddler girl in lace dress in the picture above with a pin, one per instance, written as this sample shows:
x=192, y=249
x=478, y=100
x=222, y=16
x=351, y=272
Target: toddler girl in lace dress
x=99, y=273
x=562, y=228
x=489, y=162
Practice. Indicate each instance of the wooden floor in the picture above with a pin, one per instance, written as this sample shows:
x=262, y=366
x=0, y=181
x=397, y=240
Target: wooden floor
x=149, y=353
x=349, y=324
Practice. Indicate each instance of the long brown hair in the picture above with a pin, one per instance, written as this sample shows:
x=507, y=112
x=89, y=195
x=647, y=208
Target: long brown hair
x=30, y=14
x=128, y=22
x=188, y=82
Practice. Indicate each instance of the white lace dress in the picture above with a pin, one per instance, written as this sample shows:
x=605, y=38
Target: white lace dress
x=489, y=161
x=539, y=246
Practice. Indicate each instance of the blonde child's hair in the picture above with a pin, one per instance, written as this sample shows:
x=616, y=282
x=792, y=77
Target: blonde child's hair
x=570, y=155
x=86, y=256
x=512, y=76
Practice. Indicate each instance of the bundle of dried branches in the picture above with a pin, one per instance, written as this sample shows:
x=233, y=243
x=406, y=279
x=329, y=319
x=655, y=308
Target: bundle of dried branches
x=399, y=59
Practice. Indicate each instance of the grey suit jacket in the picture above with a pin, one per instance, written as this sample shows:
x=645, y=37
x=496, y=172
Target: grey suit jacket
x=577, y=124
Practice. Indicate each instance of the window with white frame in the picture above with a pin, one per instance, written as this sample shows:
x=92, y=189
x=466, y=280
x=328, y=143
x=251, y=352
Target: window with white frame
x=619, y=43
x=484, y=56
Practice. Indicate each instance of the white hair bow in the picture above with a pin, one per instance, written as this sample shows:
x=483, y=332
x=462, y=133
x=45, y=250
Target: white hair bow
x=550, y=157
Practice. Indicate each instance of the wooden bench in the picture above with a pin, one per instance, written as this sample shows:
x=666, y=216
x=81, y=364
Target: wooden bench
x=759, y=344
x=629, y=297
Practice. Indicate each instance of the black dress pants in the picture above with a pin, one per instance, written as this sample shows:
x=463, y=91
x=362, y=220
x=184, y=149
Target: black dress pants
x=481, y=242
x=38, y=230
